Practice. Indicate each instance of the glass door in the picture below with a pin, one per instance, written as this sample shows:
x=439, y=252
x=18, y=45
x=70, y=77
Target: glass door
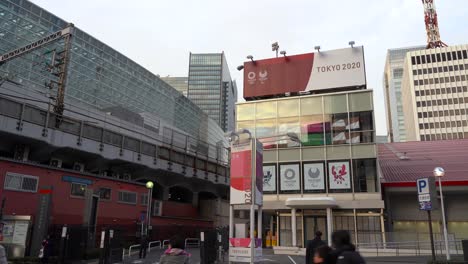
x=313, y=224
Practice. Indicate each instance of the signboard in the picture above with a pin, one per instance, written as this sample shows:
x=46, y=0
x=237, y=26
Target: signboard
x=314, y=177
x=240, y=249
x=427, y=196
x=241, y=170
x=269, y=178
x=339, y=175
x=20, y=233
x=241, y=173
x=289, y=177
x=76, y=180
x=305, y=72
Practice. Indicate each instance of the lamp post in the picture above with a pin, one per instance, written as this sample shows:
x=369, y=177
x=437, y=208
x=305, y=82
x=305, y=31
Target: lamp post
x=439, y=172
x=149, y=186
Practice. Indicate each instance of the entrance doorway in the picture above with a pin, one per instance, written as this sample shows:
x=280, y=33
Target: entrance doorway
x=313, y=224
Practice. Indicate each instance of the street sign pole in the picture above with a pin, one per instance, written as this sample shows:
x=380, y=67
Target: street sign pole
x=431, y=234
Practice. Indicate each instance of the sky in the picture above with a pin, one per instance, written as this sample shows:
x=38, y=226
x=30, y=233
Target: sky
x=159, y=34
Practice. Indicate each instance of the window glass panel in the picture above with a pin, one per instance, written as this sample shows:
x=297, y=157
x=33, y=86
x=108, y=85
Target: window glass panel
x=246, y=112
x=339, y=127
x=360, y=102
x=365, y=175
x=105, y=193
x=335, y=104
x=265, y=128
x=311, y=106
x=266, y=110
x=78, y=189
x=287, y=108
x=312, y=130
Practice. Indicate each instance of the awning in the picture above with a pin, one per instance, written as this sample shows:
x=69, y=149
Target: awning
x=311, y=202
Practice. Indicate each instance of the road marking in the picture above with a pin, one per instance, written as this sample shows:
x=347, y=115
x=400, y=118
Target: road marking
x=137, y=261
x=292, y=260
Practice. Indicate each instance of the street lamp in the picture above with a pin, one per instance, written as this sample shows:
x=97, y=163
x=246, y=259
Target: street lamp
x=317, y=48
x=149, y=186
x=439, y=172
x=351, y=43
x=240, y=67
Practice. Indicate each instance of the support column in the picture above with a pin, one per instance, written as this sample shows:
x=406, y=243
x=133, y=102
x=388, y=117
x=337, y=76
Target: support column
x=382, y=227
x=231, y=221
x=329, y=226
x=293, y=227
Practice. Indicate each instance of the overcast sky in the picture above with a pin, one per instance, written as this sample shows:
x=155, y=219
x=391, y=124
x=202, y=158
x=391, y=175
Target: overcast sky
x=160, y=34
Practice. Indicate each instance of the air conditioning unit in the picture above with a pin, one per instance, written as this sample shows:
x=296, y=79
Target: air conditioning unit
x=78, y=166
x=115, y=175
x=103, y=173
x=21, y=152
x=156, y=208
x=126, y=176
x=56, y=162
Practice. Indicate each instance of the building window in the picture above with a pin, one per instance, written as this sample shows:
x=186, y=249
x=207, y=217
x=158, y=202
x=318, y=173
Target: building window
x=437, y=91
x=428, y=58
x=465, y=54
x=449, y=56
x=20, y=182
x=415, y=72
x=144, y=199
x=78, y=189
x=417, y=93
x=415, y=82
x=461, y=67
x=450, y=68
x=438, y=57
x=421, y=126
x=444, y=58
x=454, y=55
x=433, y=57
x=413, y=60
x=127, y=197
x=340, y=126
x=418, y=59
x=361, y=126
x=419, y=115
x=365, y=175
x=105, y=194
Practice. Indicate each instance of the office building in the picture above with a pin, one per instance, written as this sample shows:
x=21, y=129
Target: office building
x=179, y=83
x=393, y=73
x=435, y=93
x=319, y=152
x=211, y=88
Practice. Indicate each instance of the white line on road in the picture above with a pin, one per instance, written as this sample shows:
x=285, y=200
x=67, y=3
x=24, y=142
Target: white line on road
x=292, y=260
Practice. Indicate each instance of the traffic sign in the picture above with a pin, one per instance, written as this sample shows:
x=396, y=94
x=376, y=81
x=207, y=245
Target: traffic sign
x=427, y=198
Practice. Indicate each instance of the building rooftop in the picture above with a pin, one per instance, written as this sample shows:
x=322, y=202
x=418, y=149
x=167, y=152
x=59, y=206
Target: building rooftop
x=407, y=161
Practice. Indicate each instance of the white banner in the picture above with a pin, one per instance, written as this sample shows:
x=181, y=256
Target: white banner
x=314, y=176
x=337, y=68
x=269, y=178
x=339, y=175
x=289, y=177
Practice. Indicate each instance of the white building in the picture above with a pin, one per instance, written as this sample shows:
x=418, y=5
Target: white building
x=435, y=93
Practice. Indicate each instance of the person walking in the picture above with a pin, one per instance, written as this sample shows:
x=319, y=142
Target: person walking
x=3, y=258
x=322, y=255
x=176, y=253
x=143, y=246
x=344, y=251
x=312, y=245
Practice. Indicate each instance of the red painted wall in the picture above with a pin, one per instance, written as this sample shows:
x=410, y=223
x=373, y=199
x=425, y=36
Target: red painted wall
x=69, y=210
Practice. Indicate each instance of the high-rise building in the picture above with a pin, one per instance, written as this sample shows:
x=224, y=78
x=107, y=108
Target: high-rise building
x=393, y=73
x=211, y=88
x=435, y=93
x=179, y=83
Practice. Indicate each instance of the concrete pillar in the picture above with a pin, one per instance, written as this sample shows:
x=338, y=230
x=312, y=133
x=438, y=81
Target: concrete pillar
x=329, y=226
x=293, y=227
x=231, y=221
x=195, y=199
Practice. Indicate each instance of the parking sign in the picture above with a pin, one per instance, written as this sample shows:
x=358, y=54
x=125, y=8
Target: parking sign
x=426, y=193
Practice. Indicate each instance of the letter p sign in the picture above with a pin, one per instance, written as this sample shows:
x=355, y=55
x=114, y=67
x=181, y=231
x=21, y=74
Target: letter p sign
x=423, y=186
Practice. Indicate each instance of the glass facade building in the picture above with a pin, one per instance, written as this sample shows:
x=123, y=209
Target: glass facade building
x=179, y=83
x=393, y=75
x=211, y=88
x=98, y=76
x=319, y=164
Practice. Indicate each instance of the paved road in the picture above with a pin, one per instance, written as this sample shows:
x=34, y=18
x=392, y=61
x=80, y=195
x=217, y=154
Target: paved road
x=269, y=258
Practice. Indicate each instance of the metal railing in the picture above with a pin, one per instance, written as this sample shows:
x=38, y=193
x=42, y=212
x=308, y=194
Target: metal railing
x=192, y=242
x=157, y=242
x=410, y=248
